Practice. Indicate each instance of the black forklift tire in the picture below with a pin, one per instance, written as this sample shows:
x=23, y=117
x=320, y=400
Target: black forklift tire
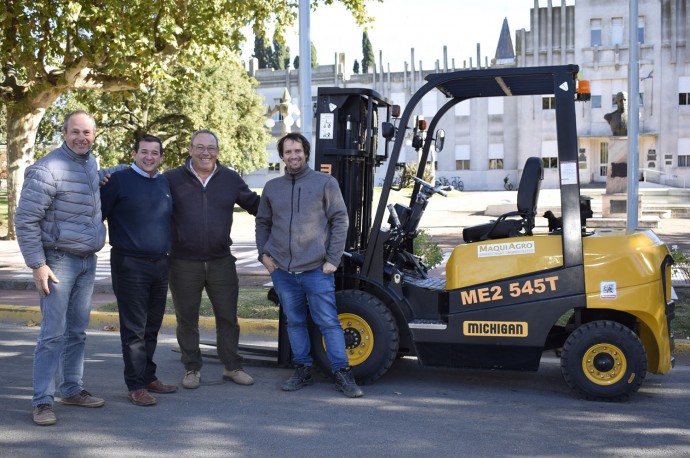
x=371, y=336
x=604, y=361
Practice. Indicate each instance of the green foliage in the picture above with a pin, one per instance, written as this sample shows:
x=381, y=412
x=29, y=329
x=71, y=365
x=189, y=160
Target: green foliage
x=678, y=256
x=427, y=249
x=367, y=53
x=281, y=55
x=314, y=59
x=261, y=51
x=172, y=111
x=295, y=63
x=411, y=171
x=355, y=67
x=48, y=48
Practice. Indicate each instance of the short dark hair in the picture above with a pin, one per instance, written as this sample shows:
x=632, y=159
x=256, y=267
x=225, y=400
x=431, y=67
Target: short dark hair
x=148, y=138
x=295, y=137
x=69, y=115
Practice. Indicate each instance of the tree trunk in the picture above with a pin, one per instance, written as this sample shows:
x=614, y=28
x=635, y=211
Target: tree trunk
x=22, y=125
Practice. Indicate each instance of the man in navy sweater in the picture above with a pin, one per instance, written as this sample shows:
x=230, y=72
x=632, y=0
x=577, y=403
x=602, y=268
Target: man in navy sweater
x=138, y=206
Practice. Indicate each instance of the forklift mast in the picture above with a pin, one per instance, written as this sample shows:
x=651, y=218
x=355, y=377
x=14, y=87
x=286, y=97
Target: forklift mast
x=347, y=147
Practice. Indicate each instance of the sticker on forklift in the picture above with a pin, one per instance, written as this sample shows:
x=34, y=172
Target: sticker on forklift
x=569, y=172
x=505, y=249
x=608, y=290
x=326, y=126
x=495, y=328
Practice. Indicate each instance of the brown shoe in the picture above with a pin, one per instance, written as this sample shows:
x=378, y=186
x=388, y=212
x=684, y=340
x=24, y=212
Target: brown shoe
x=141, y=397
x=238, y=376
x=83, y=399
x=44, y=415
x=159, y=387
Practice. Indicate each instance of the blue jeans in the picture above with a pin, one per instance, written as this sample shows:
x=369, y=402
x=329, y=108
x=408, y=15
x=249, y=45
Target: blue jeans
x=65, y=314
x=316, y=289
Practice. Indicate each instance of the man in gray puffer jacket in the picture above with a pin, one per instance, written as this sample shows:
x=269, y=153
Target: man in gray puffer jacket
x=59, y=229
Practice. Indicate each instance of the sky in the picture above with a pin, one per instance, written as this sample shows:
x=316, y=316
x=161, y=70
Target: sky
x=425, y=25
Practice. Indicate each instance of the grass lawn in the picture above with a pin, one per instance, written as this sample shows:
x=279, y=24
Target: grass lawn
x=252, y=303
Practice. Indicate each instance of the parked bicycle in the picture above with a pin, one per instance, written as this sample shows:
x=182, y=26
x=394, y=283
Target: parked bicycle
x=442, y=181
x=457, y=184
x=507, y=184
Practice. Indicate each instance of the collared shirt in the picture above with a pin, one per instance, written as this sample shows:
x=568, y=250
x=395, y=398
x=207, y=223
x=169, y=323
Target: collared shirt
x=142, y=173
x=203, y=182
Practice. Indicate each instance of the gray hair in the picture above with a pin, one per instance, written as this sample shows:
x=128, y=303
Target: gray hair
x=203, y=131
x=69, y=116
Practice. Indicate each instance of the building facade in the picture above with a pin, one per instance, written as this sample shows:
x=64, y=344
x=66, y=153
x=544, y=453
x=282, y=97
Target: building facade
x=488, y=140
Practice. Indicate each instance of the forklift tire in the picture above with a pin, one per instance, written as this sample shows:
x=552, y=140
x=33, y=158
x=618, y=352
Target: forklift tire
x=371, y=336
x=604, y=361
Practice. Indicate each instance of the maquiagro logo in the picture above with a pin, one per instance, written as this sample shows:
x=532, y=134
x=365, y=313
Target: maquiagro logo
x=505, y=249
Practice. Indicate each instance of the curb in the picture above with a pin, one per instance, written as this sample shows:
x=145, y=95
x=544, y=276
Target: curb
x=256, y=327
x=22, y=314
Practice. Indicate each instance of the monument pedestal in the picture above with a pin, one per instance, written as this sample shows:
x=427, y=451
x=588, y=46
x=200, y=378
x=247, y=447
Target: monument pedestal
x=615, y=202
x=616, y=205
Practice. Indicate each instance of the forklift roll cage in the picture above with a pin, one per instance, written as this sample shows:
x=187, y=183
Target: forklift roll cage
x=463, y=85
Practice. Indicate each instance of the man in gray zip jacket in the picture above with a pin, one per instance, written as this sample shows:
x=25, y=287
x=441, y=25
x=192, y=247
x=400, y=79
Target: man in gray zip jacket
x=301, y=227
x=59, y=229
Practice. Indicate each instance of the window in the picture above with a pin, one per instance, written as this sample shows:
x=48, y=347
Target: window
x=616, y=31
x=684, y=98
x=273, y=167
x=640, y=29
x=683, y=160
x=548, y=103
x=462, y=164
x=603, y=159
x=596, y=101
x=550, y=162
x=595, y=32
x=495, y=164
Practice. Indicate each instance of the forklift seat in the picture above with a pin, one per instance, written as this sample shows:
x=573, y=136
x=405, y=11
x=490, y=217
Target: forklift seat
x=521, y=222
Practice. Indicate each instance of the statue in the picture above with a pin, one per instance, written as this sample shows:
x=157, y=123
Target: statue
x=618, y=120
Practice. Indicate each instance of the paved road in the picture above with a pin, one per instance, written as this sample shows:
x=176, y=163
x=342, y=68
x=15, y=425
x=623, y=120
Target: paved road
x=412, y=411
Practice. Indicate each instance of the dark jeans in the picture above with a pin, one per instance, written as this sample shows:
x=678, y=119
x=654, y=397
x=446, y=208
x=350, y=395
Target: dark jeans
x=141, y=288
x=219, y=277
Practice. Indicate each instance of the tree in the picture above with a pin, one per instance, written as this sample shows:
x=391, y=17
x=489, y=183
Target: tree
x=260, y=51
x=314, y=60
x=367, y=53
x=355, y=67
x=171, y=111
x=280, y=55
x=49, y=48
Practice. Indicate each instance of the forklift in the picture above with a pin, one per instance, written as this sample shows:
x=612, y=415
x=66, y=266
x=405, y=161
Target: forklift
x=602, y=300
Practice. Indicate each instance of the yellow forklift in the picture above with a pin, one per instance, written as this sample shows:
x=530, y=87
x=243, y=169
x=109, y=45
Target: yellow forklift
x=602, y=300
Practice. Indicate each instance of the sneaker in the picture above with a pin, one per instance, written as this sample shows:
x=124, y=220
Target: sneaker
x=191, y=380
x=345, y=382
x=44, y=415
x=83, y=399
x=301, y=378
x=238, y=376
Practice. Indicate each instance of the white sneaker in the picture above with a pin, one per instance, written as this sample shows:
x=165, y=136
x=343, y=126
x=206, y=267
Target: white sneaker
x=238, y=376
x=191, y=380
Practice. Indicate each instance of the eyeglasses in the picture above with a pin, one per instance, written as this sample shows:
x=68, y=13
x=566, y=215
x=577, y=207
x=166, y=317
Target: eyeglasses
x=201, y=148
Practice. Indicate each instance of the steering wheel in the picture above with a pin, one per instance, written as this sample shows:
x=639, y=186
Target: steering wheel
x=433, y=190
